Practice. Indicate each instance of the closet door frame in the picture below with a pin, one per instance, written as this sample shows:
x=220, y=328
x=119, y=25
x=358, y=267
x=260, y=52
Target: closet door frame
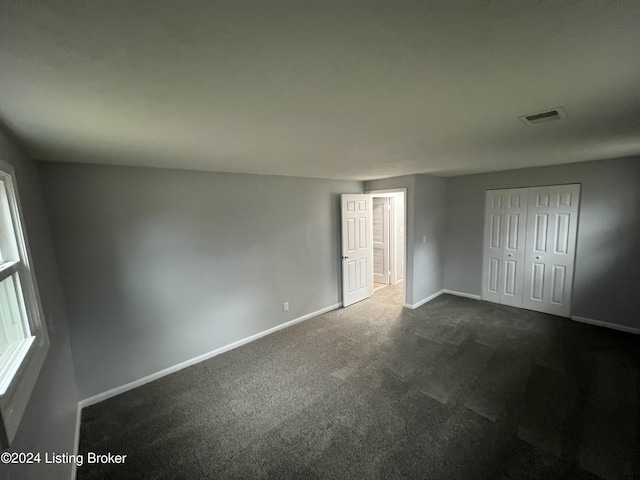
x=507, y=259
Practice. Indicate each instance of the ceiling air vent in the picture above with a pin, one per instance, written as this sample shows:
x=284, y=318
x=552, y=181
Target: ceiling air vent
x=545, y=116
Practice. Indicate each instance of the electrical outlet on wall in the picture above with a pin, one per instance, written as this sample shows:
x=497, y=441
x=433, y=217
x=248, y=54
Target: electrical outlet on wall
x=285, y=307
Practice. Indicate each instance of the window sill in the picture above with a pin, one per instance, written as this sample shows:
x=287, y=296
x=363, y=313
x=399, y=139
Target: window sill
x=22, y=364
x=11, y=360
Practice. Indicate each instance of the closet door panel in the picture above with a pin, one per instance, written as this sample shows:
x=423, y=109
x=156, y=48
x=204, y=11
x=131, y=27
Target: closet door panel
x=515, y=224
x=551, y=233
x=504, y=245
x=492, y=257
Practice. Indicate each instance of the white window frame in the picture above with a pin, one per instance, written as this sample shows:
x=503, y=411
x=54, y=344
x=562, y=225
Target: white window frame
x=20, y=369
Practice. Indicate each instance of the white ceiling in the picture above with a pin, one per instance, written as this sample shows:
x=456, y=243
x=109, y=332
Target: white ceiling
x=332, y=88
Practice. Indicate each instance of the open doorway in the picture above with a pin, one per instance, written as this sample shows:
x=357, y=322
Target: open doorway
x=389, y=239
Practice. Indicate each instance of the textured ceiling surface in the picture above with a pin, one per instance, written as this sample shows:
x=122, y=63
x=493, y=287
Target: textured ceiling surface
x=334, y=89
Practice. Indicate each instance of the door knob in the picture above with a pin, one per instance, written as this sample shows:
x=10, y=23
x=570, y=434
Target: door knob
x=511, y=254
x=344, y=257
x=537, y=258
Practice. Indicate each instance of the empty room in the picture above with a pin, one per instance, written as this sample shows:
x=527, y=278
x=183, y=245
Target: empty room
x=319, y=239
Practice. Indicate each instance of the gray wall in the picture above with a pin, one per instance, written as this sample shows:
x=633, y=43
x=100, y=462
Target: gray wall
x=607, y=275
x=160, y=266
x=425, y=217
x=49, y=422
x=429, y=222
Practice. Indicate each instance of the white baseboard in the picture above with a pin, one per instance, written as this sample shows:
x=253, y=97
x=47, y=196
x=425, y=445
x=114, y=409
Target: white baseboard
x=76, y=442
x=463, y=294
x=162, y=373
x=600, y=323
x=424, y=300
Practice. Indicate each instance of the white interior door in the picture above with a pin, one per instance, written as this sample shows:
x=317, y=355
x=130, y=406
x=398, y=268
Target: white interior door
x=381, y=239
x=493, y=268
x=514, y=229
x=357, y=248
x=551, y=241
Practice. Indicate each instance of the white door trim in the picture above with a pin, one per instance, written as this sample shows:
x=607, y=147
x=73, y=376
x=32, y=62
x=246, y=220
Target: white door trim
x=404, y=191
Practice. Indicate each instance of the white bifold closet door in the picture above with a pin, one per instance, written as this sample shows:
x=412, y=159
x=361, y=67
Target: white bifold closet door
x=504, y=246
x=529, y=247
x=552, y=226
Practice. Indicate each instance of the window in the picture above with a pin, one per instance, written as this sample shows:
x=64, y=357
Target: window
x=23, y=335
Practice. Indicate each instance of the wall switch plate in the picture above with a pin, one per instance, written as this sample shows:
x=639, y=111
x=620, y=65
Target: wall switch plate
x=424, y=239
x=285, y=307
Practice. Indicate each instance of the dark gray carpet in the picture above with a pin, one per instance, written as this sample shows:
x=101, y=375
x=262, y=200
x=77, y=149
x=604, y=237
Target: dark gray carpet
x=457, y=389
